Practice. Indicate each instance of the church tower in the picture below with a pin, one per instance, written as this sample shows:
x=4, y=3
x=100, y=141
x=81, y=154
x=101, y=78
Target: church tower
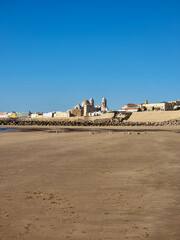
x=104, y=105
x=91, y=101
x=91, y=107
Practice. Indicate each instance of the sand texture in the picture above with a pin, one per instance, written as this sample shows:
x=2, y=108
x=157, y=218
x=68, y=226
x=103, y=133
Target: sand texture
x=101, y=186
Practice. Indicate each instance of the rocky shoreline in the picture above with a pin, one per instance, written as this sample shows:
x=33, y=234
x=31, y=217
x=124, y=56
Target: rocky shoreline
x=80, y=122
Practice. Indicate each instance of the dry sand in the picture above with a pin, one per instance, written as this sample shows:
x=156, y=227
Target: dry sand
x=89, y=186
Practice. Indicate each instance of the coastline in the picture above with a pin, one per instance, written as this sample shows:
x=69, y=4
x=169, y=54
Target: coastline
x=92, y=128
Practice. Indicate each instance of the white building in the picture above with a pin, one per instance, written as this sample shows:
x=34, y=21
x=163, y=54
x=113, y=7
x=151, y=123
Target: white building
x=95, y=114
x=4, y=115
x=130, y=107
x=48, y=115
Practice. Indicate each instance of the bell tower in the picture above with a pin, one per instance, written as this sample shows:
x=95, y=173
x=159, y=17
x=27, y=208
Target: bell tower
x=104, y=105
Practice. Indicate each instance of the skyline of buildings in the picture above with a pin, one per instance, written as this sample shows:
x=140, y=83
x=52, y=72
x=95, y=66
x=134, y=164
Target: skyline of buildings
x=88, y=109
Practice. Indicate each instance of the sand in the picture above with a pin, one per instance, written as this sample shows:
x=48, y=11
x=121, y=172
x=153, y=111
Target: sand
x=83, y=186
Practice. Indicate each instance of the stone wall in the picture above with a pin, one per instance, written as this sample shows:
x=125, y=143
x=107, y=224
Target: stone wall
x=160, y=116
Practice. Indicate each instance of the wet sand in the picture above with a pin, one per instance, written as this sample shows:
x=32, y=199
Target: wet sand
x=77, y=185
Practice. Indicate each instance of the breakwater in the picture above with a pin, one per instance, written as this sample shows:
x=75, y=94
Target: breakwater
x=86, y=122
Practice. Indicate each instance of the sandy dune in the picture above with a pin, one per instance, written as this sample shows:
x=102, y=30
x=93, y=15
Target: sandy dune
x=89, y=186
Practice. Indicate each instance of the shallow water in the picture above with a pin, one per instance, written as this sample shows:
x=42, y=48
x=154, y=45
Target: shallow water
x=7, y=129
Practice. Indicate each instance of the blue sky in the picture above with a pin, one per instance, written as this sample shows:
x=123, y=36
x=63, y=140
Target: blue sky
x=54, y=54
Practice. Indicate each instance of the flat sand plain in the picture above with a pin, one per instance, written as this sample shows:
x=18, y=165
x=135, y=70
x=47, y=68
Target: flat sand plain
x=77, y=185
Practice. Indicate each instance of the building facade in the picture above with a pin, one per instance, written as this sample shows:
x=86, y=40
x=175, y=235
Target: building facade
x=163, y=106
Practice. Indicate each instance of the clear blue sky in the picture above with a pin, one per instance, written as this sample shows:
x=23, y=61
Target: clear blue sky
x=54, y=54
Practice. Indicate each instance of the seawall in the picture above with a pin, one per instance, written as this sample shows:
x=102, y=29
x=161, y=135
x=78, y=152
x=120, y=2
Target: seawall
x=171, y=118
x=160, y=116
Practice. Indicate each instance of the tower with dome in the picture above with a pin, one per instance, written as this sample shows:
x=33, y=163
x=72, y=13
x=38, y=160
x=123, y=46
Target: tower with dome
x=87, y=108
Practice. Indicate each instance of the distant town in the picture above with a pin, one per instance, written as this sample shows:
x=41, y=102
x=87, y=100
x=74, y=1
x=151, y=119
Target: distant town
x=88, y=109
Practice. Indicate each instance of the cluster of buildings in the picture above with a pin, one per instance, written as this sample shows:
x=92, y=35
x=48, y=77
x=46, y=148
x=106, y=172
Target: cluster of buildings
x=163, y=106
x=15, y=115
x=33, y=115
x=88, y=109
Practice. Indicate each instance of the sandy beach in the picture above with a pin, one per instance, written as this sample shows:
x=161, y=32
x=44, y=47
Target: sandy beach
x=90, y=185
